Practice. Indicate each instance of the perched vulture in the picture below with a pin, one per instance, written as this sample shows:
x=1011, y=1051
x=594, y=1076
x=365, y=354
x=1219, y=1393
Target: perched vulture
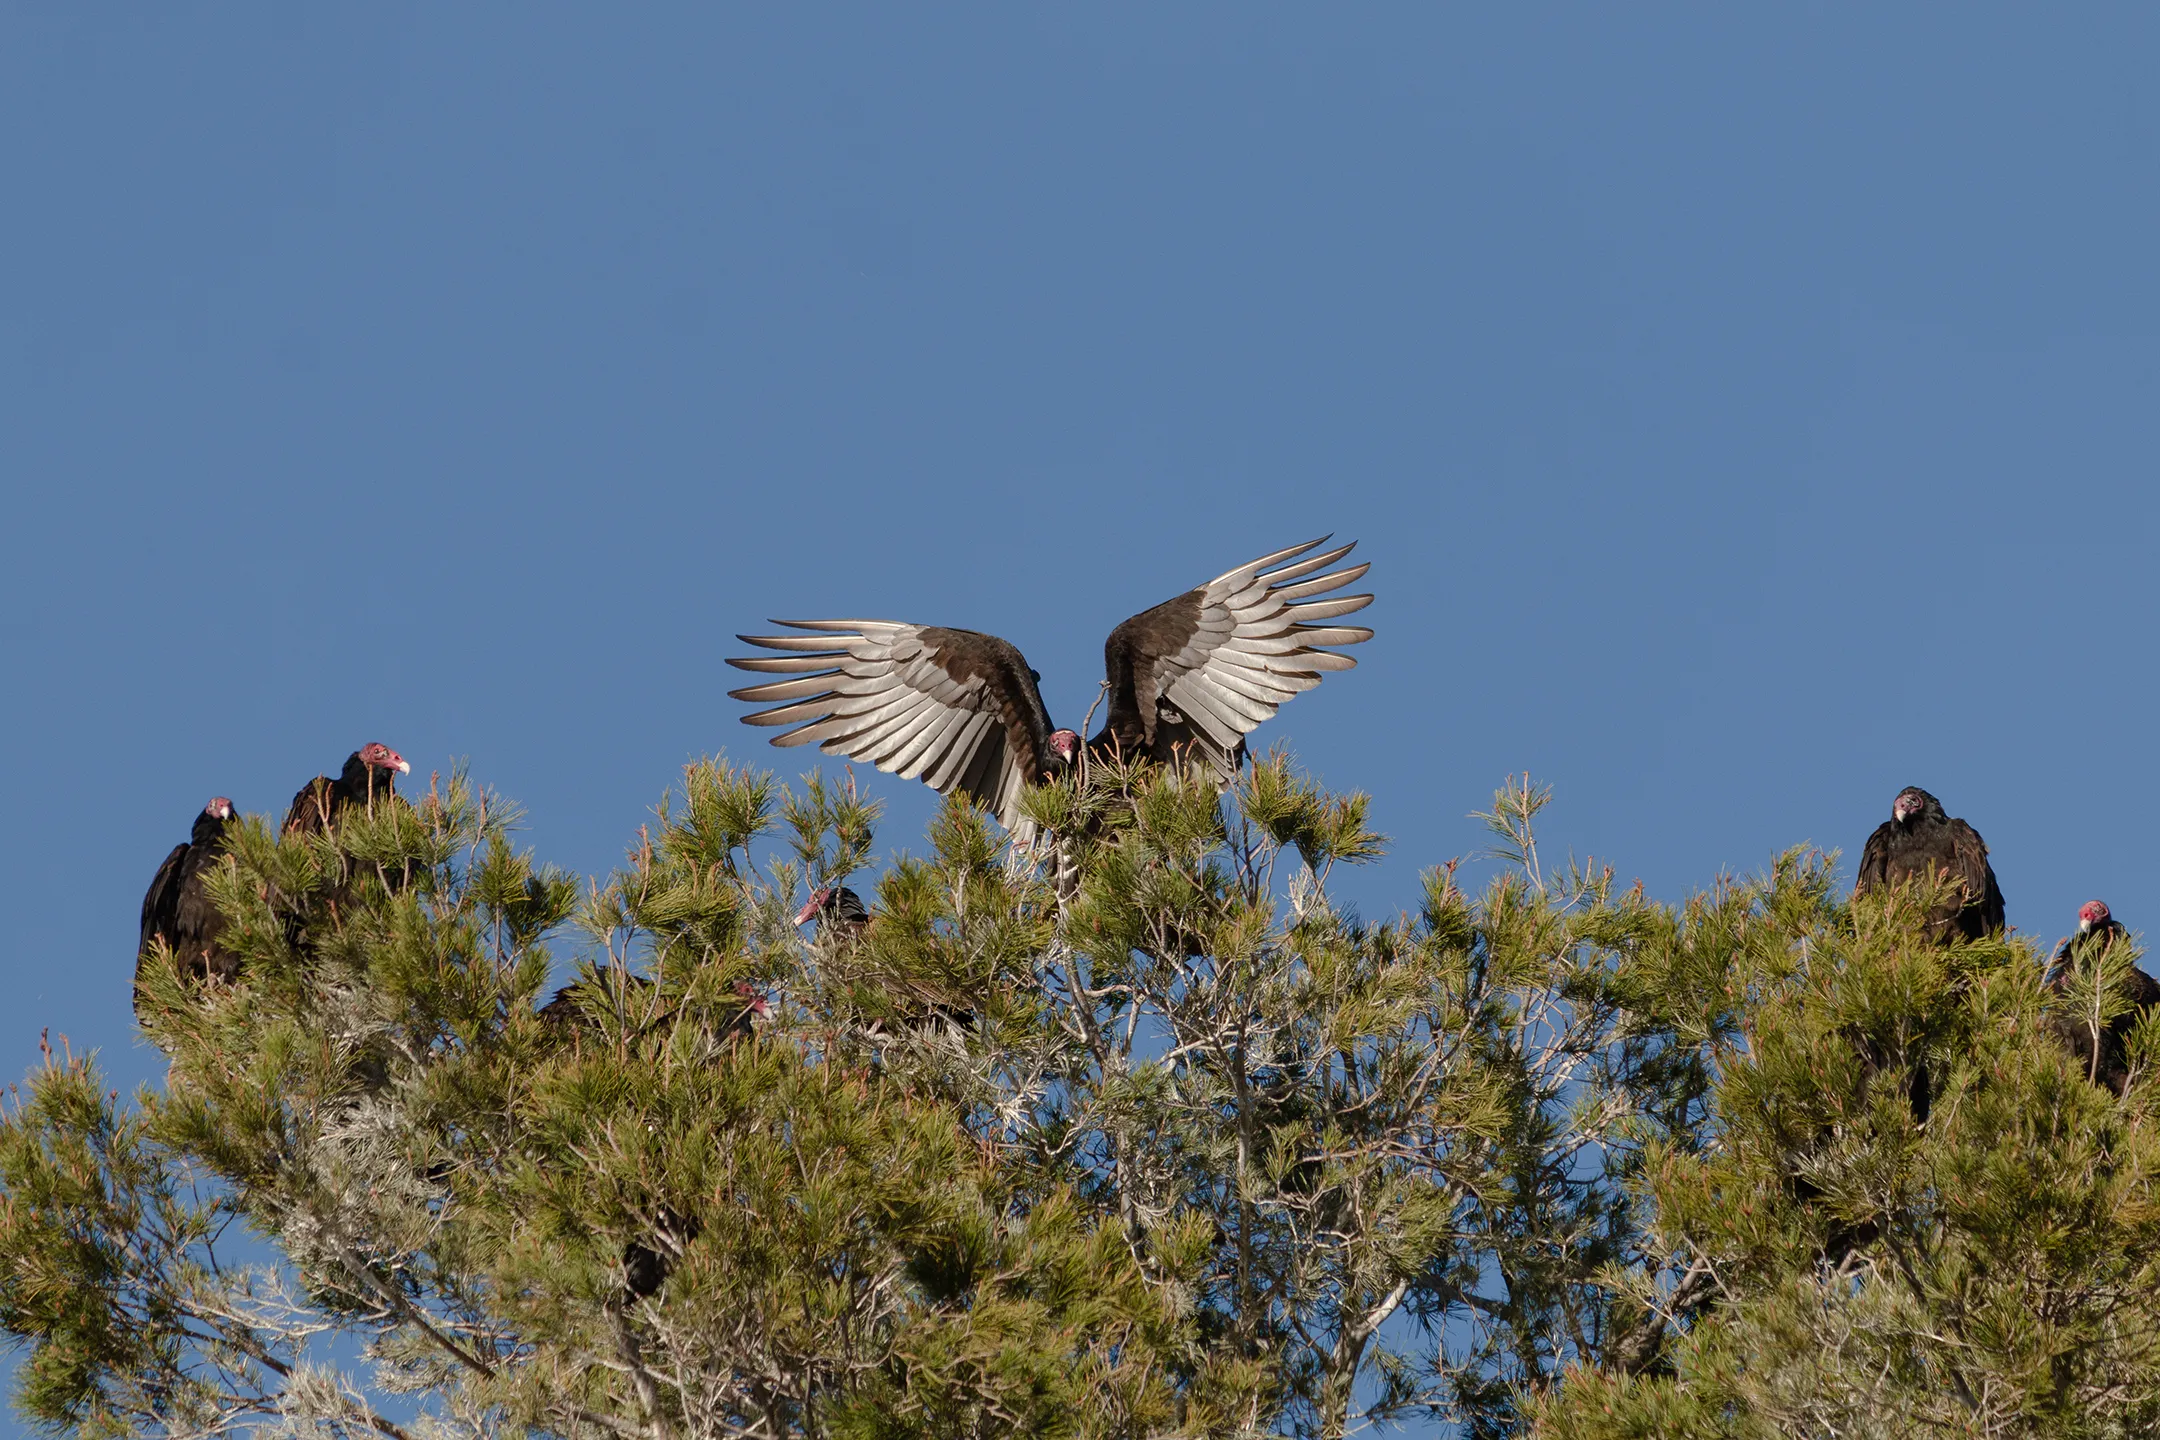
x=838, y=910
x=960, y=710
x=370, y=772
x=1920, y=840
x=2102, y=1049
x=1917, y=841
x=178, y=909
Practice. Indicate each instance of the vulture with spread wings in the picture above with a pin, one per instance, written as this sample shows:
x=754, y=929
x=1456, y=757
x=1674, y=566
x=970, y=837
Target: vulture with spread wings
x=960, y=710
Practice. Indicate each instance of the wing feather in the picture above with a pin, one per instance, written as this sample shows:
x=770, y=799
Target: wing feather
x=1875, y=859
x=958, y=752
x=1291, y=594
x=1331, y=635
x=803, y=688
x=817, y=731
x=895, y=733
x=1252, y=686
x=928, y=744
x=1292, y=671
x=1329, y=609
x=1977, y=875
x=847, y=629
x=1328, y=660
x=790, y=664
x=1227, y=702
x=1970, y=853
x=1228, y=654
x=786, y=642
x=814, y=708
x=1201, y=708
x=858, y=739
x=908, y=699
x=163, y=896
x=978, y=776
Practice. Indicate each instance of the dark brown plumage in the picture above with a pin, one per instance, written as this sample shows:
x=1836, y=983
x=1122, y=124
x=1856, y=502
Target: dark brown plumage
x=838, y=910
x=177, y=908
x=2101, y=1046
x=370, y=774
x=1194, y=675
x=961, y=711
x=1919, y=840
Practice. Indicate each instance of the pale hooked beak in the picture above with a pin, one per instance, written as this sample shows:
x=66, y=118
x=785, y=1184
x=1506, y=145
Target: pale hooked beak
x=404, y=766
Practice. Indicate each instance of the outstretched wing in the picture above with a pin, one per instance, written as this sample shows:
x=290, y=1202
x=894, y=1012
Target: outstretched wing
x=955, y=709
x=1199, y=673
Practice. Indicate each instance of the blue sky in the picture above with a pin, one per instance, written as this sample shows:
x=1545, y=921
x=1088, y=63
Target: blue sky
x=1745, y=414
x=1743, y=418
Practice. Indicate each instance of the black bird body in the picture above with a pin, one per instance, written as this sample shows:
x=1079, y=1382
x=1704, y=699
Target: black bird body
x=839, y=911
x=369, y=775
x=647, y=1267
x=963, y=712
x=178, y=909
x=2102, y=1048
x=1920, y=841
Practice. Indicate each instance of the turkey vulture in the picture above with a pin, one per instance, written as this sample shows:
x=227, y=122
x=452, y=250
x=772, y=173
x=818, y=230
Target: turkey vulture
x=960, y=710
x=369, y=771
x=178, y=908
x=1920, y=840
x=2103, y=1048
x=838, y=910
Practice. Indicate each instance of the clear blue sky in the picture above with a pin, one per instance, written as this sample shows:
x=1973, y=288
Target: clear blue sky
x=1746, y=415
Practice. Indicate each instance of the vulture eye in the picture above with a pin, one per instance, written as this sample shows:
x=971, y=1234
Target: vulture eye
x=382, y=757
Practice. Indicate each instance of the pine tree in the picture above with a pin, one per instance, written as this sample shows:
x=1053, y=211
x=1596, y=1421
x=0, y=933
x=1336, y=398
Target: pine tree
x=1135, y=1131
